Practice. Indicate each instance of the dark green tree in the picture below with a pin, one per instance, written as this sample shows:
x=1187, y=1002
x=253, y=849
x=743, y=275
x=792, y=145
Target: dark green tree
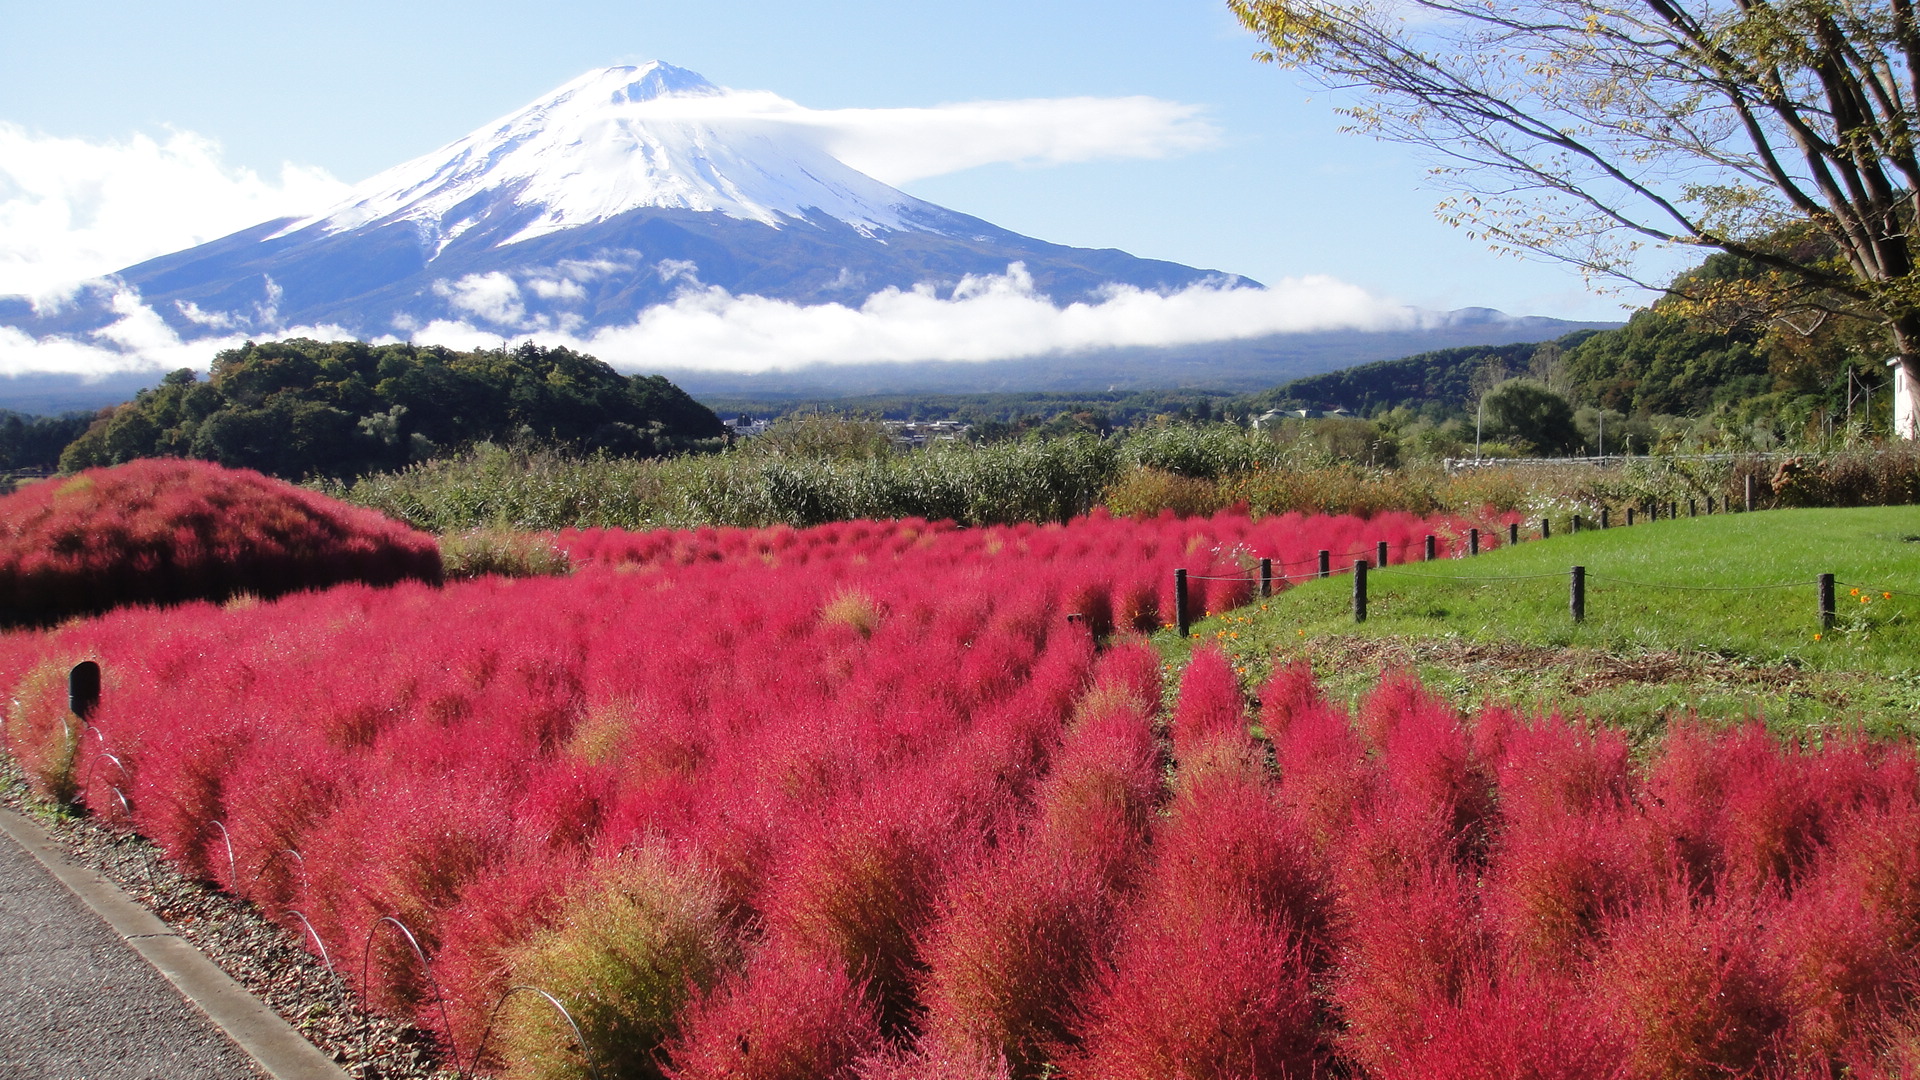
x=299, y=408
x=1524, y=411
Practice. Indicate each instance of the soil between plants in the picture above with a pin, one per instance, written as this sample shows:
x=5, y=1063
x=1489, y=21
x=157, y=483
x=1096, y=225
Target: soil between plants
x=259, y=954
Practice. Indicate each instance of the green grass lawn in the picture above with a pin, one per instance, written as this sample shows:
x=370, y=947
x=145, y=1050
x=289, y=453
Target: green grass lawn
x=1728, y=647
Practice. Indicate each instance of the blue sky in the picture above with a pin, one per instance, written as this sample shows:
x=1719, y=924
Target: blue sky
x=351, y=87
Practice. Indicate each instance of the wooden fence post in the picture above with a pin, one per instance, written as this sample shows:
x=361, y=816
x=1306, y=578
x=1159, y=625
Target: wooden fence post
x=1693, y=508
x=1266, y=577
x=1629, y=517
x=1577, y=595
x=1826, y=602
x=1380, y=553
x=1180, y=601
x=1603, y=517
x=1428, y=547
x=1359, y=590
x=1326, y=563
x=1473, y=541
x=1546, y=528
x=1513, y=533
x=1575, y=525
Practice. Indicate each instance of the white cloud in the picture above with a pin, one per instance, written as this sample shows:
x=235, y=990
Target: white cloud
x=556, y=289
x=986, y=318
x=902, y=145
x=138, y=341
x=493, y=296
x=72, y=209
x=994, y=317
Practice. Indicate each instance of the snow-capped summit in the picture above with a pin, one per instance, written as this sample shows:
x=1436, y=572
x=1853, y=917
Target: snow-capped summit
x=611, y=141
x=625, y=189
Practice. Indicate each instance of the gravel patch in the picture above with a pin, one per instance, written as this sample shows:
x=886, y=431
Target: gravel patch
x=260, y=955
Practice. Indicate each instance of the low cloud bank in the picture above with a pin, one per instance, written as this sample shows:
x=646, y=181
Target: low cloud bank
x=993, y=317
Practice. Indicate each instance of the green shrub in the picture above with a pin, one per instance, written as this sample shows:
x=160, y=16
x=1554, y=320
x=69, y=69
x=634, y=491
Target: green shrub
x=505, y=552
x=631, y=945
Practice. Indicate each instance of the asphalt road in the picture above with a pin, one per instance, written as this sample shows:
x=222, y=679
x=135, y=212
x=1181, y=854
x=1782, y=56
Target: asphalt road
x=77, y=1003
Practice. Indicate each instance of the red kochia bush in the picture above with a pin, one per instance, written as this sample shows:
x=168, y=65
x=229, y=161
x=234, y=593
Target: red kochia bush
x=163, y=531
x=937, y=833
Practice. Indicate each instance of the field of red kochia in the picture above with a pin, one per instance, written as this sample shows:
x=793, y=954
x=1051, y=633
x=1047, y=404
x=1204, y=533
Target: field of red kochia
x=858, y=801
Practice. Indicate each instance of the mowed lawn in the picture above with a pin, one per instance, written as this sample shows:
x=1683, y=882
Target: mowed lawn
x=1715, y=616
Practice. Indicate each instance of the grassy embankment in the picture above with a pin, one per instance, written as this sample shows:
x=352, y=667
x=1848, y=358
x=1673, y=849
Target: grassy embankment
x=1725, y=649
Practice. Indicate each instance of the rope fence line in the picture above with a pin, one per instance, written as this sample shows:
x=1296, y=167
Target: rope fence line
x=1698, y=588
x=1457, y=577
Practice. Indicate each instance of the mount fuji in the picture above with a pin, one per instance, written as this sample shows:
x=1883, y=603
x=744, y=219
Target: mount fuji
x=635, y=190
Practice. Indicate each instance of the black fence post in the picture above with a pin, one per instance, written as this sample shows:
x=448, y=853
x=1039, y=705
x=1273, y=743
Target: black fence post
x=1693, y=508
x=1380, y=553
x=1749, y=493
x=1826, y=602
x=1604, y=514
x=1180, y=601
x=1577, y=594
x=1473, y=541
x=1359, y=590
x=1428, y=547
x=1709, y=506
x=1629, y=517
x=83, y=689
x=1513, y=533
x=1575, y=525
x=1266, y=577
x=1326, y=563
x=1546, y=528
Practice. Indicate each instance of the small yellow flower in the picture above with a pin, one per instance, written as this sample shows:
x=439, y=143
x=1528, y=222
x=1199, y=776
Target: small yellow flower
x=1301, y=633
x=1866, y=599
x=1235, y=635
x=1856, y=592
x=1886, y=596
x=1816, y=637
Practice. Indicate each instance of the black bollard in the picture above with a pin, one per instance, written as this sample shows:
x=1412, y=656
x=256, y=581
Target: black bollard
x=83, y=689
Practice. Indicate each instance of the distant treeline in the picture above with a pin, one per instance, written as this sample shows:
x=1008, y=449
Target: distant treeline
x=33, y=443
x=1007, y=415
x=301, y=408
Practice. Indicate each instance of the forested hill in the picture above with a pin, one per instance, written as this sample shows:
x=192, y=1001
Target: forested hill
x=1444, y=377
x=302, y=408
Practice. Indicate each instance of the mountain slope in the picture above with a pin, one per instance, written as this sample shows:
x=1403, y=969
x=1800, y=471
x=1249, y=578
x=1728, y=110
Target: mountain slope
x=621, y=190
